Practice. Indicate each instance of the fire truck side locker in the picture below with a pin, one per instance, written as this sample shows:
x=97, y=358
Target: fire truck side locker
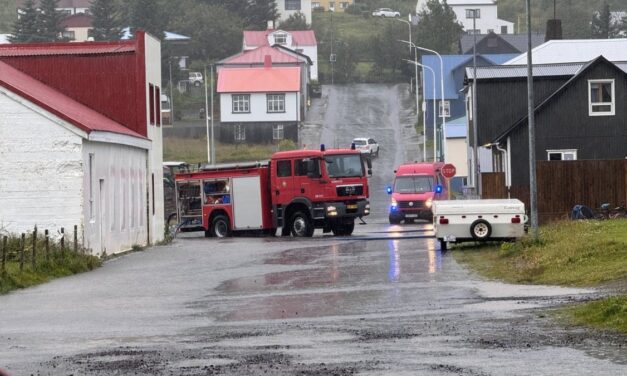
x=247, y=200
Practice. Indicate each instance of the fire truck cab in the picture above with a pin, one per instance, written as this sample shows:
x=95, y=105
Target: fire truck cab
x=298, y=190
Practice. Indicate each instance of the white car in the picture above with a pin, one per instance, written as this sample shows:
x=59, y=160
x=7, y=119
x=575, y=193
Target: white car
x=367, y=146
x=195, y=78
x=385, y=12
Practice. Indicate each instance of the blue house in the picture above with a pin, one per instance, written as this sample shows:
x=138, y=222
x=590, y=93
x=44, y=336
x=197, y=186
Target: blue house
x=454, y=105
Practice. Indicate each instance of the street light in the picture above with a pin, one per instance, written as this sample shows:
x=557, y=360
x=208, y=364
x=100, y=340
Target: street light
x=442, y=95
x=211, y=152
x=476, y=176
x=424, y=148
x=415, y=69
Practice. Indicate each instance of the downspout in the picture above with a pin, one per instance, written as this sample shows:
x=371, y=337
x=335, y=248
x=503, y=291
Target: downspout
x=505, y=165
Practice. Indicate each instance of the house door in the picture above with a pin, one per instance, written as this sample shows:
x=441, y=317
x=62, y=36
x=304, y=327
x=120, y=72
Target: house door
x=102, y=218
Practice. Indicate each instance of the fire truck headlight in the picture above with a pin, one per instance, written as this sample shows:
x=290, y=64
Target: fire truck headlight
x=428, y=203
x=331, y=211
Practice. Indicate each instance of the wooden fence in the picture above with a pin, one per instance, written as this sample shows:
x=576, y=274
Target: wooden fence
x=564, y=184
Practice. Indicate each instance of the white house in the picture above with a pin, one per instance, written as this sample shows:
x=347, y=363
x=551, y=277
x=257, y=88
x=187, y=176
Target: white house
x=287, y=8
x=301, y=41
x=259, y=104
x=68, y=7
x=77, y=150
x=487, y=16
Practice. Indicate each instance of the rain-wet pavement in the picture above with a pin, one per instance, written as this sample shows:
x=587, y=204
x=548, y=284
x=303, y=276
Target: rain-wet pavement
x=386, y=301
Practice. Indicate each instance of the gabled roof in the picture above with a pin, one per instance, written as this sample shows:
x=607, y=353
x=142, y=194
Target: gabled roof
x=260, y=38
x=258, y=55
x=59, y=104
x=456, y=128
x=517, y=41
x=540, y=70
x=451, y=63
x=92, y=48
x=77, y=20
x=259, y=80
x=550, y=98
x=575, y=51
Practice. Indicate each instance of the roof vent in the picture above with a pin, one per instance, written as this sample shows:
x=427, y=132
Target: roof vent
x=267, y=61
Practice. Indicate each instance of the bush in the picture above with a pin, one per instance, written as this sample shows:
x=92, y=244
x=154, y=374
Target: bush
x=287, y=145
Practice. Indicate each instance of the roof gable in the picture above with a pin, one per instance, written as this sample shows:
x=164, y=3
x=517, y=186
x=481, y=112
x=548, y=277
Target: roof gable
x=258, y=55
x=260, y=38
x=59, y=104
x=259, y=80
x=575, y=50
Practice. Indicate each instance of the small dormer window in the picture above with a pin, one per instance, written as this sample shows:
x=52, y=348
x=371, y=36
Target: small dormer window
x=280, y=38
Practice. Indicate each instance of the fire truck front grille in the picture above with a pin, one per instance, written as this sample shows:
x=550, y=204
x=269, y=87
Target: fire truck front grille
x=410, y=204
x=350, y=190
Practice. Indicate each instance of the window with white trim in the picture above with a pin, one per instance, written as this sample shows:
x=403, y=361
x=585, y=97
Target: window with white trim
x=473, y=13
x=562, y=155
x=276, y=102
x=241, y=103
x=277, y=132
x=239, y=134
x=280, y=38
x=601, y=98
x=444, y=109
x=292, y=5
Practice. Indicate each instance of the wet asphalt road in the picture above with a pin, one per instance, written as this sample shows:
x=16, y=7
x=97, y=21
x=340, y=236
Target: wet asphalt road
x=393, y=304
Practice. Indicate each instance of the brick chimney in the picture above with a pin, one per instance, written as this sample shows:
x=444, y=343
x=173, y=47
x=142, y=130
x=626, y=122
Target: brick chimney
x=267, y=61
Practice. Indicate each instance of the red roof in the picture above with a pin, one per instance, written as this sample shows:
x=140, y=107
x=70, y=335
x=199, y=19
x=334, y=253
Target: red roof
x=78, y=20
x=257, y=56
x=299, y=38
x=259, y=80
x=88, y=48
x=59, y=104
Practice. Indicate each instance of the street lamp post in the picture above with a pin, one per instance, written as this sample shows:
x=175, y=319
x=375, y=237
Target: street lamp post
x=424, y=148
x=442, y=95
x=475, y=152
x=207, y=117
x=415, y=59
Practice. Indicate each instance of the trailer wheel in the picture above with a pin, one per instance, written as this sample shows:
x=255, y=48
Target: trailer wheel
x=480, y=229
x=220, y=227
x=301, y=226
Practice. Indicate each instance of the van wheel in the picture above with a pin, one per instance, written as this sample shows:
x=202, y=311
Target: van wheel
x=480, y=229
x=220, y=227
x=443, y=245
x=394, y=220
x=301, y=226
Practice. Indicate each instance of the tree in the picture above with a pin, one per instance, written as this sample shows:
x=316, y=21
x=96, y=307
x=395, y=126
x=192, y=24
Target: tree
x=106, y=25
x=345, y=61
x=438, y=28
x=259, y=12
x=146, y=15
x=296, y=21
x=50, y=28
x=603, y=26
x=25, y=28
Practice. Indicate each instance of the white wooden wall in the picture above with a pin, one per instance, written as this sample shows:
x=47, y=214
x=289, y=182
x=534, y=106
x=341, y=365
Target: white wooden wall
x=258, y=109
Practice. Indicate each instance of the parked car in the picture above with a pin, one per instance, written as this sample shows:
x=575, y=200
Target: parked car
x=195, y=78
x=367, y=146
x=385, y=12
x=315, y=90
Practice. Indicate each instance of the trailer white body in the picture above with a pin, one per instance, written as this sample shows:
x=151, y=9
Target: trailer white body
x=478, y=220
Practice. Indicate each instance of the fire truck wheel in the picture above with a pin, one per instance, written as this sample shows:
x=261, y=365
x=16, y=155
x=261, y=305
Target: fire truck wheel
x=301, y=225
x=220, y=227
x=343, y=229
x=480, y=229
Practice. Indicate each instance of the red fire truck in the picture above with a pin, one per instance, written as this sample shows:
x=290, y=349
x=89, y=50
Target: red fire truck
x=298, y=190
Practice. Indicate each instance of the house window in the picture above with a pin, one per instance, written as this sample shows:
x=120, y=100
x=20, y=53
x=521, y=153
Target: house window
x=292, y=5
x=503, y=29
x=91, y=186
x=473, y=31
x=343, y=5
x=277, y=132
x=239, y=133
x=331, y=5
x=601, y=97
x=241, y=103
x=445, y=109
x=151, y=105
x=68, y=35
x=284, y=168
x=157, y=106
x=280, y=38
x=276, y=102
x=469, y=13
x=315, y=5
x=562, y=155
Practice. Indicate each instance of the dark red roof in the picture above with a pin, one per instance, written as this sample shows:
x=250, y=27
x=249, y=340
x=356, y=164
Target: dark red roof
x=299, y=37
x=88, y=48
x=59, y=104
x=259, y=80
x=78, y=20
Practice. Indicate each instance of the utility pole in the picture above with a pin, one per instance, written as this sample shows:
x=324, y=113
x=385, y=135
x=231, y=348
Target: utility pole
x=475, y=152
x=213, y=146
x=207, y=117
x=532, y=137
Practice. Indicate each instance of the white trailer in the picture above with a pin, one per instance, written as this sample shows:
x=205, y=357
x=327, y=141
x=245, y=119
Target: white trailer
x=478, y=220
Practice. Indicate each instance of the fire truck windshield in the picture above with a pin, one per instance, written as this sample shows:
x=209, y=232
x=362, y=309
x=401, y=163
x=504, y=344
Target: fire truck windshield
x=344, y=166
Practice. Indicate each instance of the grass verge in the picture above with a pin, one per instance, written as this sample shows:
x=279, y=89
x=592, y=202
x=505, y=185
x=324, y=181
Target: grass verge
x=578, y=253
x=194, y=150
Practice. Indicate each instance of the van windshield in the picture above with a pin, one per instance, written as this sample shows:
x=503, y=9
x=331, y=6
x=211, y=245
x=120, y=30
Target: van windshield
x=344, y=166
x=413, y=184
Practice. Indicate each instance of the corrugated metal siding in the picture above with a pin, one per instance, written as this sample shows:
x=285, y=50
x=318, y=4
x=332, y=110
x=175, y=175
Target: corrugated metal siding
x=112, y=77
x=513, y=71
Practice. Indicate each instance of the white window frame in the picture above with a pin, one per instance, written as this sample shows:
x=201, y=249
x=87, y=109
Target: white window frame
x=280, y=38
x=278, y=132
x=562, y=152
x=612, y=104
x=293, y=5
x=444, y=107
x=469, y=13
x=239, y=132
x=275, y=103
x=240, y=103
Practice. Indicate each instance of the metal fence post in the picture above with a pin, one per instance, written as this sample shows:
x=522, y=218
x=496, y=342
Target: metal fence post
x=47, y=243
x=22, y=245
x=33, y=263
x=62, y=241
x=75, y=239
